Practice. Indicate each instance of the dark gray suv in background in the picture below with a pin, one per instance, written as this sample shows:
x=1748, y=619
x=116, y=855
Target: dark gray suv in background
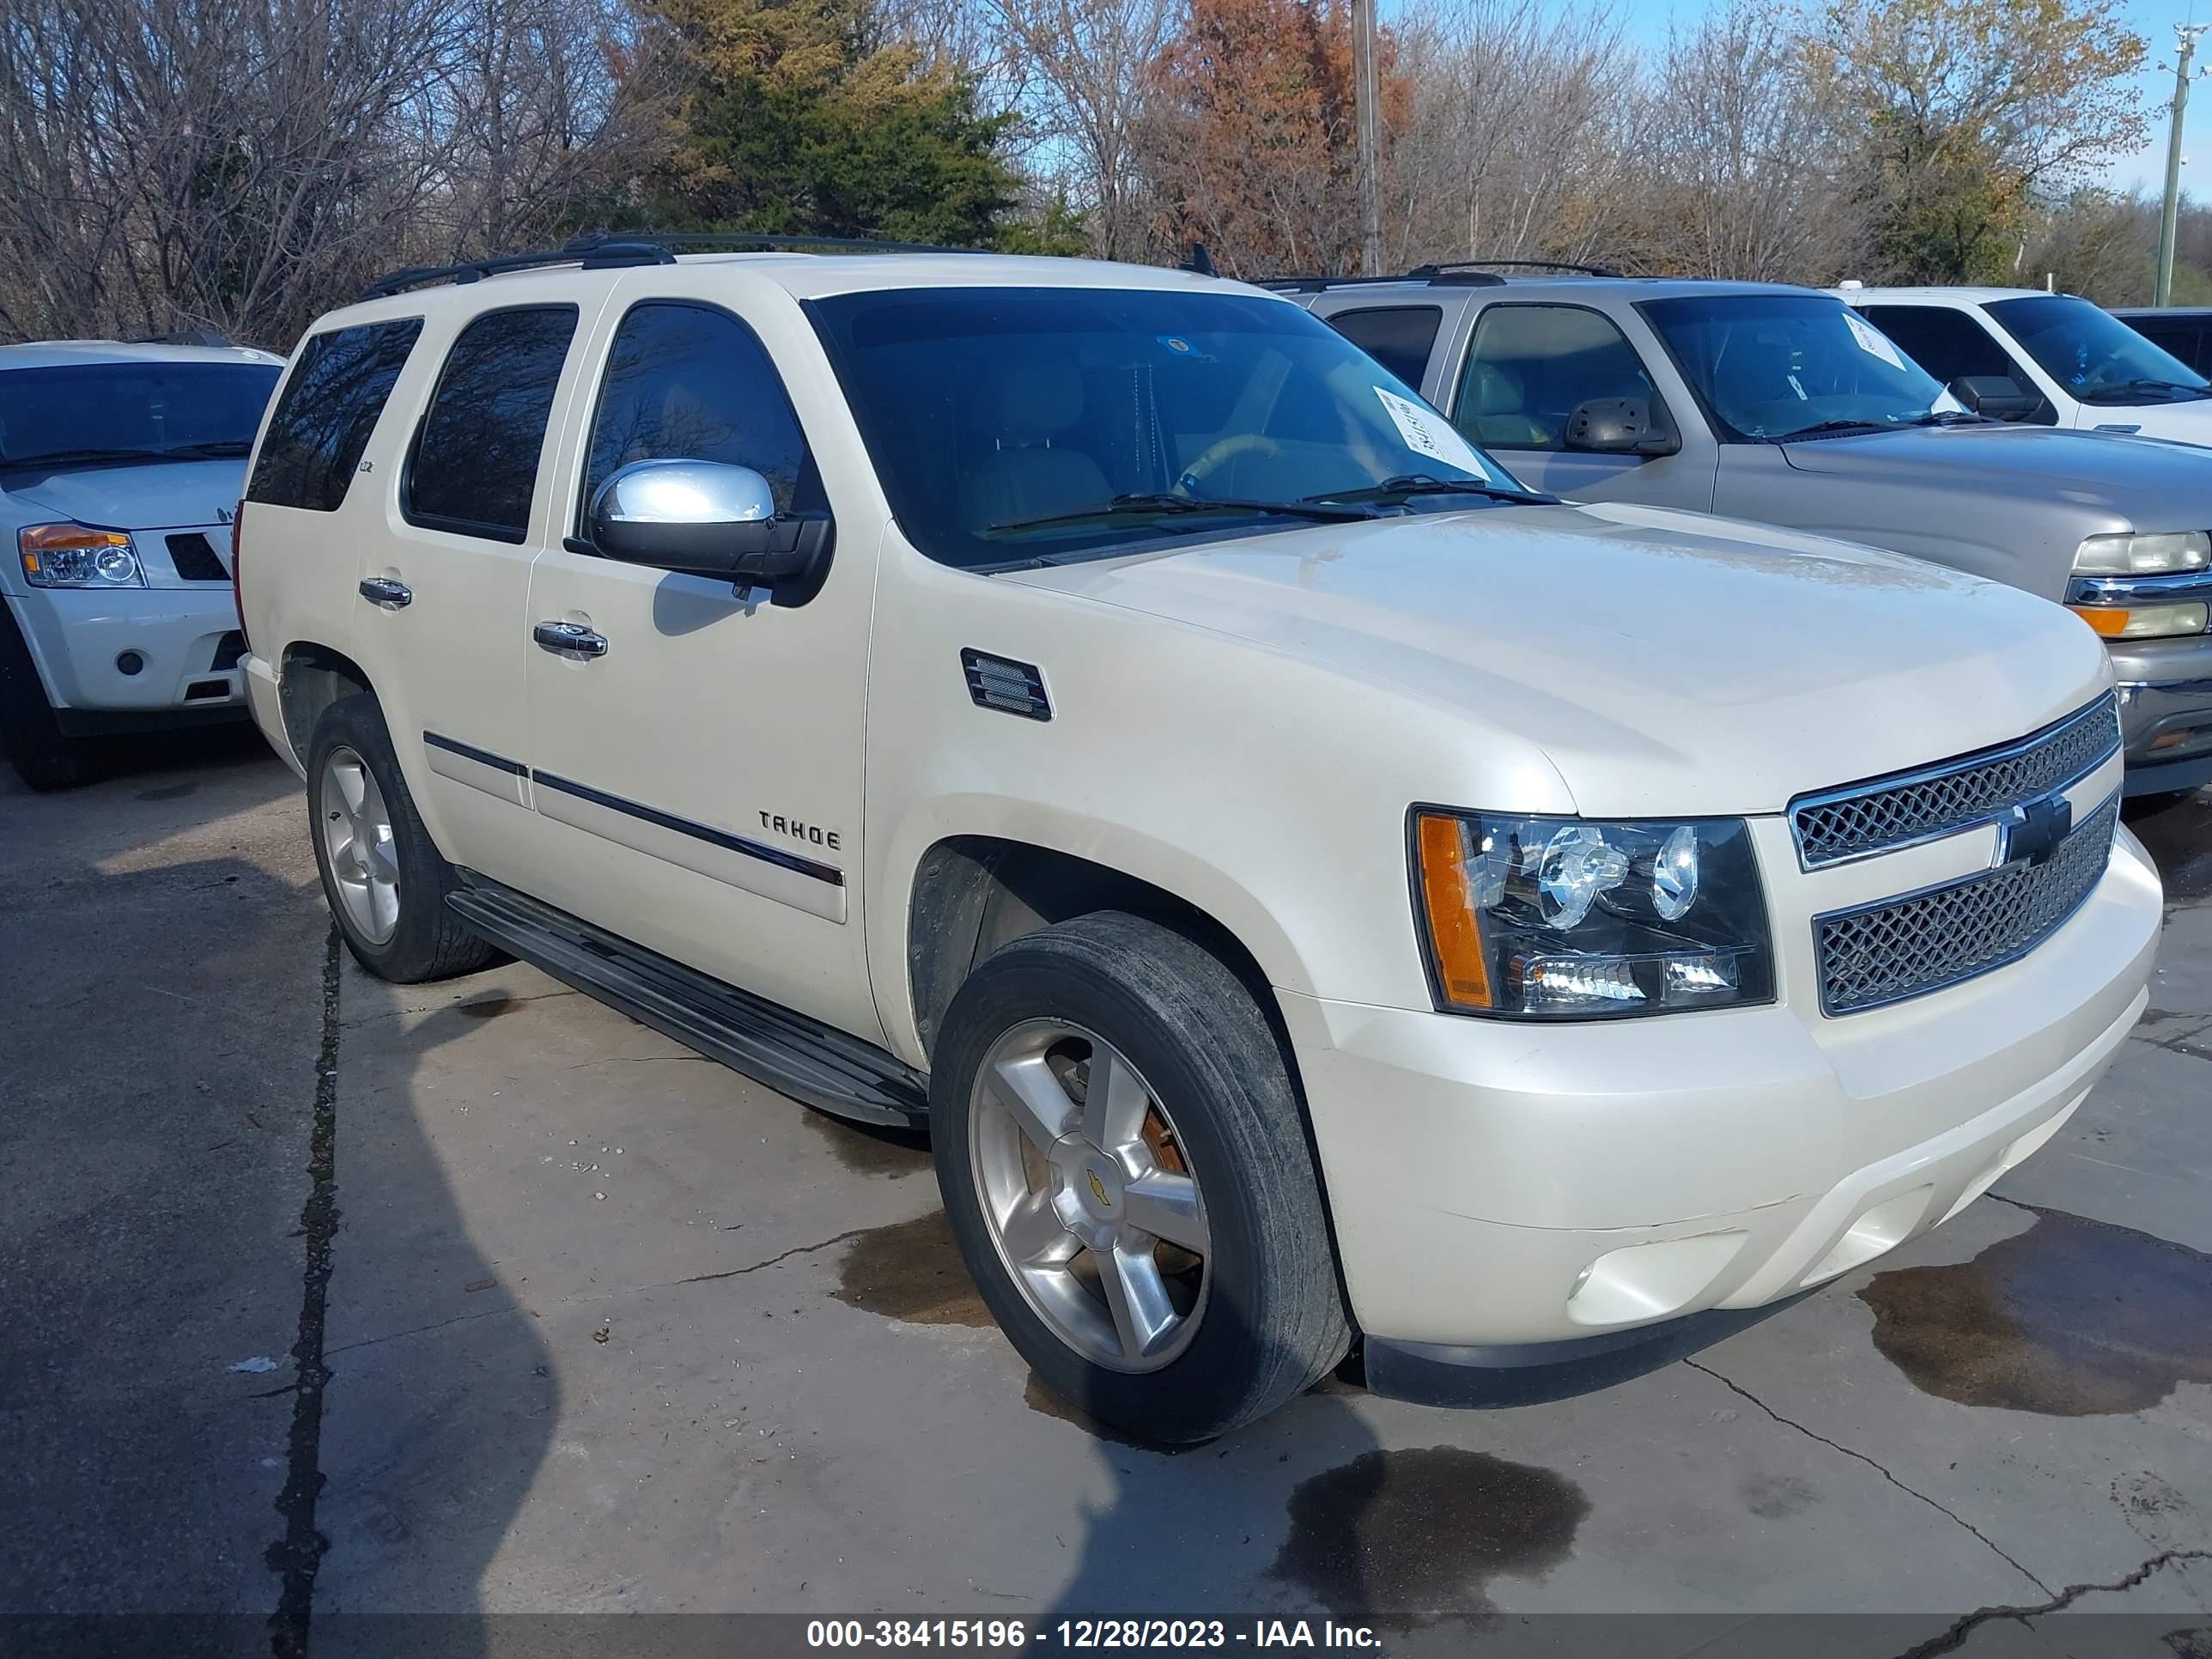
x=1784, y=406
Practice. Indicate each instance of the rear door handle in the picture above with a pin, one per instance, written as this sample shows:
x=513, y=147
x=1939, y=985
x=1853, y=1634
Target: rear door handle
x=571, y=640
x=384, y=592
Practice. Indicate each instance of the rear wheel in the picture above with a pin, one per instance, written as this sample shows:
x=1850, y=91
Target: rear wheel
x=1126, y=1170
x=44, y=756
x=384, y=878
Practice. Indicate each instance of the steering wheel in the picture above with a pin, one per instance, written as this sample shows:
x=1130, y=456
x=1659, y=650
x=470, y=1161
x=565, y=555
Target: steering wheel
x=1218, y=455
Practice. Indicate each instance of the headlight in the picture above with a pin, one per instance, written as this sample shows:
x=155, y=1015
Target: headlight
x=1570, y=919
x=75, y=556
x=2145, y=622
x=2143, y=556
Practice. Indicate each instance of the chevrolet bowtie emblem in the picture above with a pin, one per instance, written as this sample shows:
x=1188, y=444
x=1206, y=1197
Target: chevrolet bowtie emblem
x=2029, y=834
x=1097, y=1187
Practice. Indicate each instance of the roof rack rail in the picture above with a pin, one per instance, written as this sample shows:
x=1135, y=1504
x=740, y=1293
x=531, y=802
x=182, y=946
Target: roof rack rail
x=182, y=337
x=1316, y=284
x=610, y=250
x=1447, y=268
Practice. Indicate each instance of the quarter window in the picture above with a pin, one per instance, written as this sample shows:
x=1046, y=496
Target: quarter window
x=687, y=382
x=1397, y=337
x=328, y=410
x=1531, y=366
x=474, y=468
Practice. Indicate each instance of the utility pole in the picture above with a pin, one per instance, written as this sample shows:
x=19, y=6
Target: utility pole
x=1365, y=93
x=2186, y=35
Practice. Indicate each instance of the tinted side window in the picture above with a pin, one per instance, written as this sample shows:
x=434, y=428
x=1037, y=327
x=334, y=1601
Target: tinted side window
x=2184, y=338
x=329, y=408
x=687, y=382
x=1397, y=337
x=474, y=468
x=1947, y=343
x=1532, y=365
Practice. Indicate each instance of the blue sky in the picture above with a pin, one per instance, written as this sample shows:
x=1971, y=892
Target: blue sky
x=1648, y=20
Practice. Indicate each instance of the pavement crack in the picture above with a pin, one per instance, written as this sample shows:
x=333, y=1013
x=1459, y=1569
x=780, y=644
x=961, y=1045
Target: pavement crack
x=1955, y=1637
x=297, y=1555
x=1911, y=1491
x=796, y=1249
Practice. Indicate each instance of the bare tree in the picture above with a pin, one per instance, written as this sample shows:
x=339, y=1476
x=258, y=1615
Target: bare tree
x=1521, y=136
x=238, y=166
x=1744, y=150
x=1087, y=71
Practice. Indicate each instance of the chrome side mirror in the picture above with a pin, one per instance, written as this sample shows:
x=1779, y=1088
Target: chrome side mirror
x=710, y=519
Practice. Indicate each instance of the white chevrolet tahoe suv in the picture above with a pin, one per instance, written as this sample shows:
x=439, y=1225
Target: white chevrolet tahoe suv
x=1309, y=886
x=119, y=465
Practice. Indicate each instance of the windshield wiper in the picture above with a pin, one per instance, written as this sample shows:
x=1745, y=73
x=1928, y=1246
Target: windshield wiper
x=60, y=457
x=221, y=449
x=1950, y=417
x=1820, y=428
x=2114, y=393
x=1420, y=484
x=1150, y=505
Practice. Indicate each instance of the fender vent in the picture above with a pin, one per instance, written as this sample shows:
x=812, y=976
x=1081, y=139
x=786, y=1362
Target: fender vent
x=1010, y=687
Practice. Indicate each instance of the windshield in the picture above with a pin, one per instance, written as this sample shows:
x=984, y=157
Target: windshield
x=95, y=413
x=1011, y=425
x=2095, y=355
x=1772, y=366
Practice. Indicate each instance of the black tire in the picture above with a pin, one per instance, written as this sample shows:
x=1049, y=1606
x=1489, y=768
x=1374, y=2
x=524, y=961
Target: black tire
x=1274, y=1322
x=45, y=756
x=429, y=942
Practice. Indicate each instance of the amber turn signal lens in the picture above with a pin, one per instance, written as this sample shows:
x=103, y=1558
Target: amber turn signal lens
x=1448, y=899
x=2145, y=622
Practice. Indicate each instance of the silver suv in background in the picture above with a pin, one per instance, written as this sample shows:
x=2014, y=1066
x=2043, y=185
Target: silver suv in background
x=1783, y=405
x=120, y=468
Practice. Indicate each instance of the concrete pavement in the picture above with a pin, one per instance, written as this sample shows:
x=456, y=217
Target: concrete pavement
x=609, y=1327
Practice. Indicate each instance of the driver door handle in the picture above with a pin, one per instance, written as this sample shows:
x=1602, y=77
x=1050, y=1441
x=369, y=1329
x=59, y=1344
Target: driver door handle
x=384, y=592
x=571, y=640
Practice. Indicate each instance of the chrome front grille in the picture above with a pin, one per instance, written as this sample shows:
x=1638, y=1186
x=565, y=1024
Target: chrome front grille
x=1907, y=947
x=1881, y=814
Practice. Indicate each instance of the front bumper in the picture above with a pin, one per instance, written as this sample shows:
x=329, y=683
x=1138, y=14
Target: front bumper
x=2166, y=712
x=1499, y=1184
x=185, y=640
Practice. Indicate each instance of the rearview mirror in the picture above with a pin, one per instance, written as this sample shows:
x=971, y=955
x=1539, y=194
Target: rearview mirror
x=709, y=518
x=1620, y=426
x=1999, y=397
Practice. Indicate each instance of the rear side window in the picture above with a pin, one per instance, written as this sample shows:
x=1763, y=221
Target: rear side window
x=1397, y=337
x=1948, y=343
x=687, y=382
x=329, y=408
x=474, y=467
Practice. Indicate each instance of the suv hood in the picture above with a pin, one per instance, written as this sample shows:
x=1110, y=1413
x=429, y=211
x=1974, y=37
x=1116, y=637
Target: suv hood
x=2155, y=484
x=1666, y=663
x=147, y=495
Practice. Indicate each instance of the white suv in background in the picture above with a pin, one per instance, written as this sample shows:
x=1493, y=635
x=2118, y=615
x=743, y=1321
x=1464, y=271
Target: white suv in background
x=2072, y=363
x=120, y=468
x=1309, y=886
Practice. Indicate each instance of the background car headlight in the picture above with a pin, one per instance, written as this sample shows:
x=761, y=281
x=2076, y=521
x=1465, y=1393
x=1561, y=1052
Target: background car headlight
x=1573, y=919
x=77, y=555
x=2166, y=554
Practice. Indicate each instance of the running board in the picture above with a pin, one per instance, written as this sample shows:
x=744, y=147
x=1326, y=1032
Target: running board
x=787, y=1051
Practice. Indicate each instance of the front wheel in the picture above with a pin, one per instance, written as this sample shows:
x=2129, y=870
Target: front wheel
x=1126, y=1170
x=384, y=878
x=45, y=756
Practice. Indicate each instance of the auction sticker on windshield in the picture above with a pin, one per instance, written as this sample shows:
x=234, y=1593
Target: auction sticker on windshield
x=1872, y=340
x=1427, y=433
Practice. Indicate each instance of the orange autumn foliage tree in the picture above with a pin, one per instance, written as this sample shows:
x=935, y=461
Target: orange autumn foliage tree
x=1252, y=142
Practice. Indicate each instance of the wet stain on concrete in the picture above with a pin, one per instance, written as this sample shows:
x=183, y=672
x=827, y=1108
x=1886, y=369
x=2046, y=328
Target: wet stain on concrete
x=1039, y=1397
x=491, y=1007
x=911, y=1270
x=865, y=1149
x=1403, y=1537
x=2071, y=1318
x=2192, y=1642
x=2178, y=837
x=1777, y=1496
x=169, y=792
